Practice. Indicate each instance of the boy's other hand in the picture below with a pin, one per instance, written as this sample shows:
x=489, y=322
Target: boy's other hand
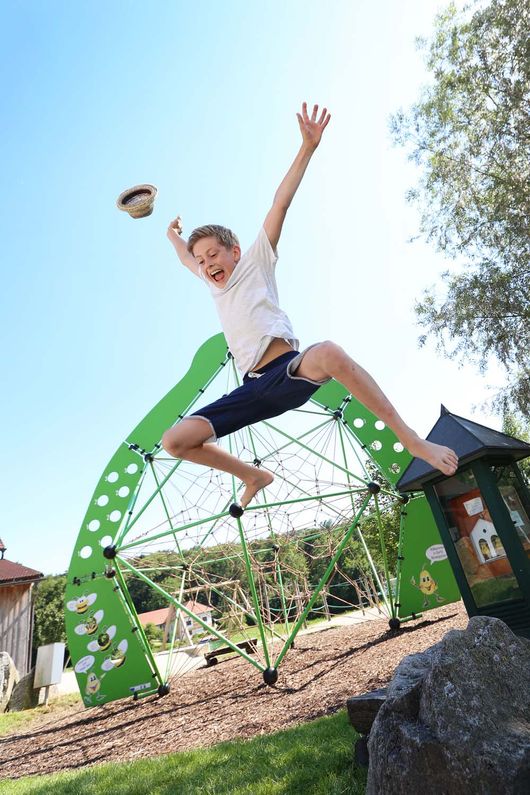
x=312, y=128
x=176, y=225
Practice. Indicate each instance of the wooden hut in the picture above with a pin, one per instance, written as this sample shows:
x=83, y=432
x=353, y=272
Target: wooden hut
x=16, y=610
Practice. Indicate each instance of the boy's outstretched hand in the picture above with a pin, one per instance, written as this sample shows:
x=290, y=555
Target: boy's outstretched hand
x=176, y=225
x=312, y=128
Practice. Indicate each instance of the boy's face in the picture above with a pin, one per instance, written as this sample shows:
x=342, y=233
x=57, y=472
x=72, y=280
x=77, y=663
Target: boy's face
x=216, y=262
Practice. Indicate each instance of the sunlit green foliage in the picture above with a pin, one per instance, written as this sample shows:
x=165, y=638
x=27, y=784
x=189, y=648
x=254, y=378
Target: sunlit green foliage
x=470, y=133
x=49, y=612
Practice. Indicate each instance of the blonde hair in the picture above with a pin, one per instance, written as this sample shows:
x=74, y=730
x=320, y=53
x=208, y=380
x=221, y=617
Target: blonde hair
x=225, y=237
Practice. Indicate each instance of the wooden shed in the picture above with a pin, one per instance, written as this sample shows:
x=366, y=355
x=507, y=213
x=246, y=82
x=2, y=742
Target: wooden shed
x=16, y=610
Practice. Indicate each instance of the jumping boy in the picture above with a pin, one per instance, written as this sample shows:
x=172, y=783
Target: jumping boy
x=276, y=377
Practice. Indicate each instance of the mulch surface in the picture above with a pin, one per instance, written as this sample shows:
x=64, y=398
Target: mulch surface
x=227, y=701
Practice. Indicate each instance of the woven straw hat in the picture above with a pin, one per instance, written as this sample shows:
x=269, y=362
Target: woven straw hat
x=138, y=201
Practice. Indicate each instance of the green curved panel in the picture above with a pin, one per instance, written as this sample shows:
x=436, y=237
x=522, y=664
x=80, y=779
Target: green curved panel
x=426, y=577
x=107, y=646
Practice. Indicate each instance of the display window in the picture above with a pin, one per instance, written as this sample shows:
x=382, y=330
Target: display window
x=477, y=540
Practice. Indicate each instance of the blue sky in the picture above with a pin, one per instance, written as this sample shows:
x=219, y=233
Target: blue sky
x=99, y=318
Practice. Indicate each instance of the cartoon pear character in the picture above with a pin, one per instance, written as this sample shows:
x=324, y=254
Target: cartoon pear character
x=93, y=685
x=428, y=586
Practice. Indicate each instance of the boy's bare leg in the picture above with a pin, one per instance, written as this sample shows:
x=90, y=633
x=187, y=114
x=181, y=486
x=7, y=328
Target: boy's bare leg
x=328, y=359
x=187, y=440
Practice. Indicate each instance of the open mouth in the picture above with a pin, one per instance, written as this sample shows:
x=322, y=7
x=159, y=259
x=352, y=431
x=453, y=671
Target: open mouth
x=217, y=275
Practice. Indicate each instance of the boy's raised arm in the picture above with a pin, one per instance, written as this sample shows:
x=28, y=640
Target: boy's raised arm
x=311, y=129
x=174, y=231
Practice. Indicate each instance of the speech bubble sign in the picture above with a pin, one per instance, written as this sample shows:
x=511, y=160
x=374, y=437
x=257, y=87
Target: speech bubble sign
x=436, y=552
x=84, y=664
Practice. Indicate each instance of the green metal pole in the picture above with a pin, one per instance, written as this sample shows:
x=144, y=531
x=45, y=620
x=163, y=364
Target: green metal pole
x=323, y=580
x=385, y=559
x=165, y=533
x=124, y=593
x=317, y=498
x=253, y=592
x=282, y=593
x=292, y=439
x=148, y=503
x=250, y=577
x=192, y=615
x=372, y=566
x=361, y=537
x=319, y=455
x=165, y=506
x=399, y=559
x=248, y=613
x=175, y=627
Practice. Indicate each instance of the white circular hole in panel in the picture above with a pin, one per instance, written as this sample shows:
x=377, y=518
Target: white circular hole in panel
x=395, y=468
x=123, y=492
x=94, y=525
x=106, y=541
x=376, y=445
x=102, y=500
x=358, y=422
x=115, y=516
x=380, y=425
x=85, y=552
x=131, y=469
x=398, y=447
x=112, y=477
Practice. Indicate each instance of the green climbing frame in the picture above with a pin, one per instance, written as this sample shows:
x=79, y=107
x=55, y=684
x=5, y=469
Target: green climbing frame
x=333, y=462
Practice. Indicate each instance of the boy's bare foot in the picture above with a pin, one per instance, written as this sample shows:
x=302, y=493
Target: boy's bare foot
x=258, y=481
x=438, y=456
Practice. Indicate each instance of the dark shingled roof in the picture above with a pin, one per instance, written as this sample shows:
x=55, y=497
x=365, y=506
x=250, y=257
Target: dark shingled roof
x=13, y=572
x=469, y=440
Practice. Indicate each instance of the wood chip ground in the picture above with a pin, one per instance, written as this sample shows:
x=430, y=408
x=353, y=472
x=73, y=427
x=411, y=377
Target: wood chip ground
x=227, y=701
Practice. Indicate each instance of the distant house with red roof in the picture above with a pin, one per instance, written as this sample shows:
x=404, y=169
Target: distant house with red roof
x=187, y=626
x=16, y=610
x=156, y=617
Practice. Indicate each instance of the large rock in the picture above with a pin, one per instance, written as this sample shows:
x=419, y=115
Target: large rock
x=9, y=677
x=363, y=709
x=24, y=696
x=457, y=717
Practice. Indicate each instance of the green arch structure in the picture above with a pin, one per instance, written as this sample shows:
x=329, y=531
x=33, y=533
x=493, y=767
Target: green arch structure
x=110, y=653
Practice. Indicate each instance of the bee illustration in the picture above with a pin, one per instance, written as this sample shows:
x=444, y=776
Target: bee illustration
x=428, y=587
x=116, y=658
x=90, y=624
x=82, y=603
x=103, y=640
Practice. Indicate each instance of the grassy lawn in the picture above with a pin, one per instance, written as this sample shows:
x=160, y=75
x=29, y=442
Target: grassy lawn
x=11, y=721
x=312, y=759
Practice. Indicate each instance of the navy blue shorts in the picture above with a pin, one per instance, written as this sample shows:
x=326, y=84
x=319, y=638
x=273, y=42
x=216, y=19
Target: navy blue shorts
x=265, y=393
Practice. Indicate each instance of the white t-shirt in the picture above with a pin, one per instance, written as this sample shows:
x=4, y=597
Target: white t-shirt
x=248, y=306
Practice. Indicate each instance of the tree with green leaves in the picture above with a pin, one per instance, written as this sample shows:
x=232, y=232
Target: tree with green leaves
x=470, y=132
x=513, y=427
x=49, y=612
x=162, y=568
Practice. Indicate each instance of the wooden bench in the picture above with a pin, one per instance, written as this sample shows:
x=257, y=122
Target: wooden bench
x=250, y=646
